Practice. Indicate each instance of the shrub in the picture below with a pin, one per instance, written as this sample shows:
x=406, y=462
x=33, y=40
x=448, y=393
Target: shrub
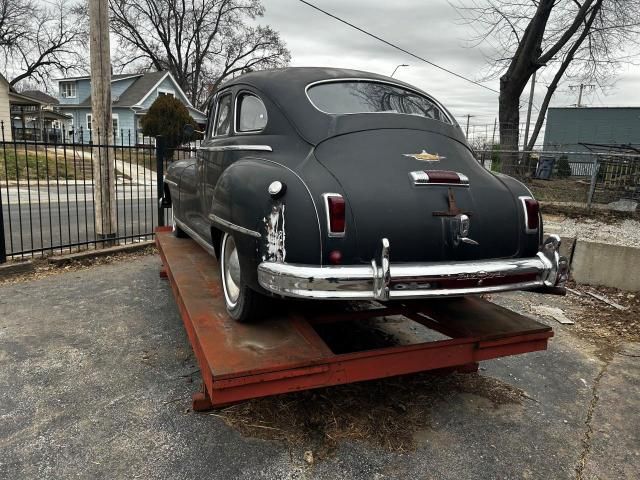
x=167, y=116
x=496, y=161
x=564, y=169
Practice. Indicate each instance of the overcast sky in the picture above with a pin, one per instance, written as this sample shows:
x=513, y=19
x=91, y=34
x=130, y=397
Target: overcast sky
x=430, y=29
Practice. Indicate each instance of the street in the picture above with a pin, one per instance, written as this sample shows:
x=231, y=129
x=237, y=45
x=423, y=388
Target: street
x=51, y=217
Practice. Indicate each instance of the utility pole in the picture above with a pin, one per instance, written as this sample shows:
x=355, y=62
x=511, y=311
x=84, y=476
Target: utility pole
x=467, y=132
x=493, y=137
x=526, y=128
x=581, y=87
x=102, y=126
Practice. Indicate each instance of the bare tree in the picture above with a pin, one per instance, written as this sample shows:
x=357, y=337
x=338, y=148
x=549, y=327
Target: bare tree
x=14, y=20
x=39, y=39
x=586, y=39
x=201, y=42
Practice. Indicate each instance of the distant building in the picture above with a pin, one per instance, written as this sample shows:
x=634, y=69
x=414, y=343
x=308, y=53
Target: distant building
x=5, y=119
x=569, y=129
x=28, y=115
x=131, y=96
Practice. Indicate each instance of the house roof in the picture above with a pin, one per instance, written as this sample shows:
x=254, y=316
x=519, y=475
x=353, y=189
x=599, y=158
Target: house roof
x=114, y=78
x=140, y=88
x=43, y=97
x=20, y=99
x=135, y=93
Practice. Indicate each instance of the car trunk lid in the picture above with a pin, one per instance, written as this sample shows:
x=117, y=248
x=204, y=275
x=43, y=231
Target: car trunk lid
x=385, y=174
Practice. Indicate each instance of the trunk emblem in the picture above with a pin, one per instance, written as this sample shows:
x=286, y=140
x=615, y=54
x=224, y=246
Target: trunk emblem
x=425, y=156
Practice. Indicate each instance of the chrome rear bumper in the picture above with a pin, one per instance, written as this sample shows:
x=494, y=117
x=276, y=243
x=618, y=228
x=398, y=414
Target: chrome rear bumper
x=383, y=281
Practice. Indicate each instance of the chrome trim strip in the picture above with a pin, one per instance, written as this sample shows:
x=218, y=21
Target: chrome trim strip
x=201, y=241
x=444, y=111
x=421, y=178
x=233, y=226
x=170, y=182
x=226, y=148
x=325, y=197
x=367, y=282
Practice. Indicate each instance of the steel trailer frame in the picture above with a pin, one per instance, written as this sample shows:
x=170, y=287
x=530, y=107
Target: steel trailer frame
x=285, y=354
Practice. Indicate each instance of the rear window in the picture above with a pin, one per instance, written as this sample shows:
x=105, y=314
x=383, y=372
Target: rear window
x=372, y=97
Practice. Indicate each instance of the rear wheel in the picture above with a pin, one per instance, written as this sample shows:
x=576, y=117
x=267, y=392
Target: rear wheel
x=242, y=302
x=177, y=231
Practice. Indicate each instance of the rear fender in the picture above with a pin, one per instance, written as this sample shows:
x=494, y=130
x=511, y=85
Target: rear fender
x=284, y=228
x=529, y=243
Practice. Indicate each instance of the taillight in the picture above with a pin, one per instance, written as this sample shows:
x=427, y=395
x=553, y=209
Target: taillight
x=531, y=214
x=335, y=206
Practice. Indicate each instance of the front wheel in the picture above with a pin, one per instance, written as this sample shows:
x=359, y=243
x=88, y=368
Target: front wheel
x=242, y=302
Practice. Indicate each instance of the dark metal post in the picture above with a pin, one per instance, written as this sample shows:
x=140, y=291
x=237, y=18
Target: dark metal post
x=161, y=151
x=3, y=247
x=594, y=179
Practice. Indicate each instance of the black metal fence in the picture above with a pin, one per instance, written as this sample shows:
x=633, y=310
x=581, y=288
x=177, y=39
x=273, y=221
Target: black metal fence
x=47, y=192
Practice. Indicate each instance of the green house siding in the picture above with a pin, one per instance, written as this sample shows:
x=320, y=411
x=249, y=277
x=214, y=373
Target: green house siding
x=568, y=129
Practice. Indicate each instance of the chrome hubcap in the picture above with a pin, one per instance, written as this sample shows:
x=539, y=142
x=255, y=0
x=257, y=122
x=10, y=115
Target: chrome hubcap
x=231, y=271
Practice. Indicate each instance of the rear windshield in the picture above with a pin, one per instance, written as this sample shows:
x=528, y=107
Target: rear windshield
x=372, y=97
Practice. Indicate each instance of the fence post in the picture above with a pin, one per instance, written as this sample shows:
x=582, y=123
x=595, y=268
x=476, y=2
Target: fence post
x=161, y=150
x=594, y=177
x=3, y=246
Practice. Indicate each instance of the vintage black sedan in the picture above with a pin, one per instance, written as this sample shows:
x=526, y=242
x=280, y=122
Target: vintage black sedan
x=334, y=184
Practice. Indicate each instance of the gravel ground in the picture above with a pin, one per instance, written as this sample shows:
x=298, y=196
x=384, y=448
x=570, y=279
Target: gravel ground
x=624, y=232
x=96, y=375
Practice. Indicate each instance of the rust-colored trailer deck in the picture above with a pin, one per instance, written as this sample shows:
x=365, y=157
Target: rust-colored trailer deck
x=286, y=353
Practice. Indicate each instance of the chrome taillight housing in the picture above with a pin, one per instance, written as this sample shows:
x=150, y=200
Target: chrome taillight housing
x=335, y=209
x=531, y=209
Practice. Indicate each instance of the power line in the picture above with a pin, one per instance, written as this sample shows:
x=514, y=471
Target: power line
x=398, y=47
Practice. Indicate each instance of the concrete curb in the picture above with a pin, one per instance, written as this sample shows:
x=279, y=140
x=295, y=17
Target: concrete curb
x=605, y=264
x=104, y=252
x=16, y=268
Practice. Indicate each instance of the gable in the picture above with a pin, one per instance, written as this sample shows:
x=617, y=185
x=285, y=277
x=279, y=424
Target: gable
x=168, y=85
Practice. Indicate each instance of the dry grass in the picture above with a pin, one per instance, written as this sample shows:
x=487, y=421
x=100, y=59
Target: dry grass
x=45, y=269
x=560, y=189
x=602, y=324
x=385, y=413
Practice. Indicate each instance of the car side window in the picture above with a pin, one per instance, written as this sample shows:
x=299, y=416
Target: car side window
x=223, y=116
x=251, y=114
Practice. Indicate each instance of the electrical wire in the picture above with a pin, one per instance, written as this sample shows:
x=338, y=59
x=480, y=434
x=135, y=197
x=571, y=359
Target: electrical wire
x=393, y=45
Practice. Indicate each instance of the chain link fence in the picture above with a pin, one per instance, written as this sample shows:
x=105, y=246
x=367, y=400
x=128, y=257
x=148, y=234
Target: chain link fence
x=583, y=177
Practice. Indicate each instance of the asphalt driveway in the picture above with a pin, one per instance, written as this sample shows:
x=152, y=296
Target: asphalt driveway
x=96, y=375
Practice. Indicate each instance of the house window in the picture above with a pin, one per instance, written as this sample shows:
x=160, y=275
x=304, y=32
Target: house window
x=68, y=89
x=168, y=93
x=115, y=122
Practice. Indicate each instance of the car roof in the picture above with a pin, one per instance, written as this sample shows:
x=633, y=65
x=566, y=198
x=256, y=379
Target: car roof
x=286, y=87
